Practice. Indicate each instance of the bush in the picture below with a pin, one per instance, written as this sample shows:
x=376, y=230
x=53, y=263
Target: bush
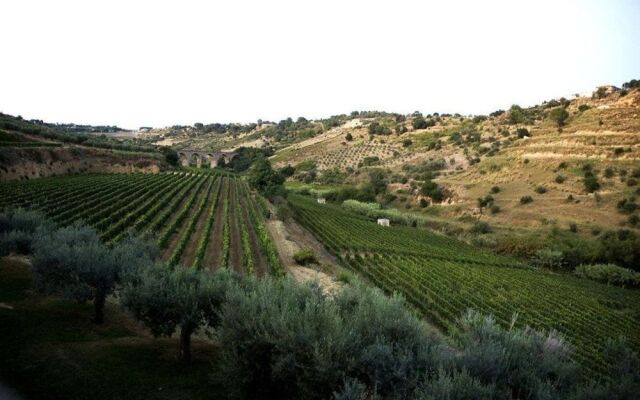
x=523, y=133
x=591, y=183
x=272, y=333
x=407, y=143
x=349, y=137
x=541, y=190
x=421, y=123
x=494, y=209
x=305, y=257
x=583, y=107
x=620, y=247
x=520, y=362
x=573, y=227
x=431, y=189
x=610, y=274
x=17, y=230
x=560, y=178
x=526, y=199
x=495, y=189
x=481, y=227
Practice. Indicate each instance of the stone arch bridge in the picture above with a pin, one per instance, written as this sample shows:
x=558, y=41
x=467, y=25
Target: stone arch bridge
x=188, y=157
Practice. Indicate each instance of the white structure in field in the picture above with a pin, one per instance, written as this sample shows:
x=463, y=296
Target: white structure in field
x=383, y=221
x=322, y=200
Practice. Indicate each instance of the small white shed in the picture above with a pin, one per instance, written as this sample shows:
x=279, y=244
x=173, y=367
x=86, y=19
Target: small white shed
x=383, y=221
x=321, y=200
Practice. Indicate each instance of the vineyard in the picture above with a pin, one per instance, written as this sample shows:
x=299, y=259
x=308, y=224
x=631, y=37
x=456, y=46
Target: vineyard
x=199, y=220
x=442, y=278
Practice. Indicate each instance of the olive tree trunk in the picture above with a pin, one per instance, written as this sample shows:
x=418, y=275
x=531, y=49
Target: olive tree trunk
x=98, y=305
x=186, y=330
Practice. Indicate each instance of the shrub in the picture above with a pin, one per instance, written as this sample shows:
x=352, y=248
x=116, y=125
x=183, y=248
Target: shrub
x=573, y=227
x=17, y=230
x=524, y=362
x=423, y=203
x=632, y=182
x=523, y=133
x=349, y=137
x=421, y=123
x=620, y=247
x=431, y=189
x=591, y=183
x=583, y=107
x=273, y=330
x=610, y=274
x=481, y=227
x=305, y=257
x=541, y=190
x=495, y=189
x=495, y=209
x=560, y=178
x=526, y=199
x=407, y=143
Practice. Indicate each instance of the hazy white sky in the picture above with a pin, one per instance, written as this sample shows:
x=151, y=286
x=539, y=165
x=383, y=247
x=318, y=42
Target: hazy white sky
x=157, y=63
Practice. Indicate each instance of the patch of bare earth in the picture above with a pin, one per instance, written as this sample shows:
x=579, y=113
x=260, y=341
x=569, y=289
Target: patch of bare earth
x=291, y=237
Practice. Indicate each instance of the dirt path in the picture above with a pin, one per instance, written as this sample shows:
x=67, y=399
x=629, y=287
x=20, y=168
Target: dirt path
x=235, y=259
x=173, y=242
x=190, y=252
x=213, y=253
x=289, y=238
x=260, y=265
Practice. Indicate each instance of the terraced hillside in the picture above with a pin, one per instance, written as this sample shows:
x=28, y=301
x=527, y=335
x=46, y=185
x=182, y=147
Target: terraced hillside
x=200, y=220
x=443, y=277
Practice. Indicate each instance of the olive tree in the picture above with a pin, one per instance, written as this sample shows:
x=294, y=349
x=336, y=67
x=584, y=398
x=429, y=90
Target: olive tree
x=73, y=261
x=164, y=299
x=17, y=230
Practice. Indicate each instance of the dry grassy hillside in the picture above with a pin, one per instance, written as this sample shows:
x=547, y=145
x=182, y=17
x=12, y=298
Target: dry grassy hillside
x=521, y=158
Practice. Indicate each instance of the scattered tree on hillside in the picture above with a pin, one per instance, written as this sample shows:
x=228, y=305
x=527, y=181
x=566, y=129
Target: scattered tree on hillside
x=559, y=116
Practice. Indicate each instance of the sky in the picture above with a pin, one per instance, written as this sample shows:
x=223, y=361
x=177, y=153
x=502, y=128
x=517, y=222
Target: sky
x=160, y=63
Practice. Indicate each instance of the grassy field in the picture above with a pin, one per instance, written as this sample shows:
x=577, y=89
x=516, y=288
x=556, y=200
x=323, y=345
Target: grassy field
x=50, y=350
x=443, y=278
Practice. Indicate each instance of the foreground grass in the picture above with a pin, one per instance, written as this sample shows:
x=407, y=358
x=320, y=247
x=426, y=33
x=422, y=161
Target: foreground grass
x=50, y=349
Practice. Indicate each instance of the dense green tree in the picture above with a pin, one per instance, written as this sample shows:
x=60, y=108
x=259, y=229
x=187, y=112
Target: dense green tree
x=431, y=189
x=265, y=179
x=170, y=155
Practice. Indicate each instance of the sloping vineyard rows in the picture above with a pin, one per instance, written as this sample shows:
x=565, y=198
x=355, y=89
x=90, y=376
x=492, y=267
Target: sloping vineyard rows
x=177, y=209
x=442, y=278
